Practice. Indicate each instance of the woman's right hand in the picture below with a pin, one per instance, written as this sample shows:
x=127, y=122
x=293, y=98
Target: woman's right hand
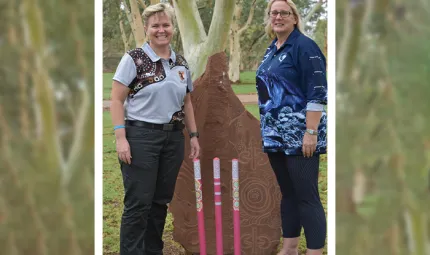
x=123, y=150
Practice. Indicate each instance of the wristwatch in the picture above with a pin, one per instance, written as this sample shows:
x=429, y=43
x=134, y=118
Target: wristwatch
x=311, y=131
x=194, y=134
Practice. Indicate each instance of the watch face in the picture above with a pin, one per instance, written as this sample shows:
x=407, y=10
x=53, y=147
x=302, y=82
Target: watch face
x=312, y=132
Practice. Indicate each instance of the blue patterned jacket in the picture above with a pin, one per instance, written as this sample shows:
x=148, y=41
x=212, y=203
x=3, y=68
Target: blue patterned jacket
x=289, y=82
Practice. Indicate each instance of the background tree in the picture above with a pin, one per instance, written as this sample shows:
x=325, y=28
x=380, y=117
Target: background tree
x=320, y=34
x=134, y=17
x=383, y=144
x=46, y=127
x=252, y=39
x=197, y=44
x=123, y=29
x=236, y=32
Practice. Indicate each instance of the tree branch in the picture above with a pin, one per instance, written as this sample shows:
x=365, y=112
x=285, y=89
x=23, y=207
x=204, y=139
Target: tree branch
x=142, y=4
x=83, y=122
x=44, y=96
x=70, y=106
x=350, y=42
x=123, y=36
x=250, y=17
x=127, y=11
x=234, y=27
x=257, y=39
x=139, y=34
x=314, y=9
x=190, y=24
x=130, y=38
x=221, y=22
x=23, y=85
x=129, y=18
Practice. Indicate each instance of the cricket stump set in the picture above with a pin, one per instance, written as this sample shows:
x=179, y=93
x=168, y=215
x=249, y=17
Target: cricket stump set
x=218, y=208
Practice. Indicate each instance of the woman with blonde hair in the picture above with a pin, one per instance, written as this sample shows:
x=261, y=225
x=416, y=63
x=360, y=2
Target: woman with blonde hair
x=155, y=82
x=292, y=92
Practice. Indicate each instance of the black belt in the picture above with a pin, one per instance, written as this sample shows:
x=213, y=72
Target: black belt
x=165, y=127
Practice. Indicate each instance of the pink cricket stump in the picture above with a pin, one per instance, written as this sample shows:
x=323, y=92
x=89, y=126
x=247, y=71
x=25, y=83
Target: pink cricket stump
x=199, y=202
x=218, y=211
x=236, y=213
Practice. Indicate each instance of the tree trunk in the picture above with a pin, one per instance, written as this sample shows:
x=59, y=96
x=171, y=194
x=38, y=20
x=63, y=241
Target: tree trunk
x=198, y=46
x=142, y=3
x=312, y=11
x=124, y=37
x=130, y=39
x=129, y=18
x=236, y=32
x=235, y=56
x=138, y=31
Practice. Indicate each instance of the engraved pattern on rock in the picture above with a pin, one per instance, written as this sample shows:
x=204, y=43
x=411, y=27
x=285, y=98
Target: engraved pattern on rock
x=227, y=131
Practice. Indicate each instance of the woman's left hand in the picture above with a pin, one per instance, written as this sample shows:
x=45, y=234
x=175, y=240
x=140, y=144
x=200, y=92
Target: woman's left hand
x=309, y=145
x=195, y=148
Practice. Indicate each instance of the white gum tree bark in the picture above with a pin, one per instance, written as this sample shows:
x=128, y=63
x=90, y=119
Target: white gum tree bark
x=235, y=35
x=198, y=45
x=136, y=16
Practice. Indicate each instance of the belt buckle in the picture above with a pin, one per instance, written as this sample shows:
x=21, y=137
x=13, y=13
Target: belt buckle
x=168, y=127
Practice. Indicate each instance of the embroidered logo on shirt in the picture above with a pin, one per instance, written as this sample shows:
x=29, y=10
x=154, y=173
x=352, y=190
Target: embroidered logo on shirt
x=282, y=57
x=181, y=75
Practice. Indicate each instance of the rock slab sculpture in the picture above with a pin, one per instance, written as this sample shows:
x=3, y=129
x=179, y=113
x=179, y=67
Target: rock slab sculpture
x=227, y=131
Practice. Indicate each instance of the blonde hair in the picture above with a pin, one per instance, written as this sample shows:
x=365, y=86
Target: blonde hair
x=158, y=8
x=268, y=27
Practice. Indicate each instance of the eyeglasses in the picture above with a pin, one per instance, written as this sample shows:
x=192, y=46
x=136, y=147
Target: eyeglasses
x=283, y=14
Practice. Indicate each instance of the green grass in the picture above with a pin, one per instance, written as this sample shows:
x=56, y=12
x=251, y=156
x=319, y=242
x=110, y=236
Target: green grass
x=107, y=85
x=253, y=109
x=244, y=89
x=247, y=77
x=246, y=85
x=113, y=193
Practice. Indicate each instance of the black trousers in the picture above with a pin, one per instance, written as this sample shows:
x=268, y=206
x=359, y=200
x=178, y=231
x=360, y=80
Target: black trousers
x=301, y=205
x=149, y=183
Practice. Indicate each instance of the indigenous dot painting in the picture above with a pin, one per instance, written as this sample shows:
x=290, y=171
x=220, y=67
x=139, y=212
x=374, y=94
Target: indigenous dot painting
x=147, y=71
x=178, y=117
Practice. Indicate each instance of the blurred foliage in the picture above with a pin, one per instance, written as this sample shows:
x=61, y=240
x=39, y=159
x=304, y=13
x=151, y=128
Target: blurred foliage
x=47, y=127
x=382, y=127
x=112, y=15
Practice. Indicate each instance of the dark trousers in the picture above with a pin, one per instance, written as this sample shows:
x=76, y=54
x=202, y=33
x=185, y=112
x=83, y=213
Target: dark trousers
x=301, y=205
x=149, y=183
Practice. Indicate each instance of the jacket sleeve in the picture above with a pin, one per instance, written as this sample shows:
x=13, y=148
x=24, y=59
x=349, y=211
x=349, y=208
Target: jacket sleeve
x=313, y=68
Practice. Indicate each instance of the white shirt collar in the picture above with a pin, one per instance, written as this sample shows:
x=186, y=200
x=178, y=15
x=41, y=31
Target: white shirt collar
x=153, y=56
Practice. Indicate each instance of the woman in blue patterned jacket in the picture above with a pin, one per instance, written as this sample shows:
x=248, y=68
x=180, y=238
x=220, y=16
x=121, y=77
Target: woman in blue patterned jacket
x=292, y=92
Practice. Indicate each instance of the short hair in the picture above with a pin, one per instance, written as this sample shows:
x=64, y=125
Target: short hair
x=158, y=8
x=268, y=27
